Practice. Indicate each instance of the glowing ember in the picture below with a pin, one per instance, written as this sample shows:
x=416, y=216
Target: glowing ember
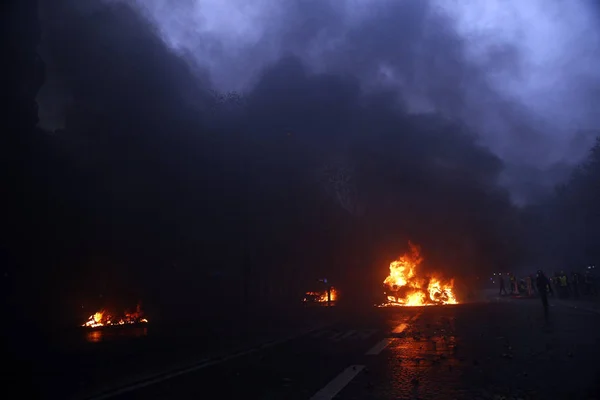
x=103, y=318
x=321, y=297
x=405, y=288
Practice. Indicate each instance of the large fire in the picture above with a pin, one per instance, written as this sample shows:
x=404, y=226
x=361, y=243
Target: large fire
x=104, y=318
x=405, y=288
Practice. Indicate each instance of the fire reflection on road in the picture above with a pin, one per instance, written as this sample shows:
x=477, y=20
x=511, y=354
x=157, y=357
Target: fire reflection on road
x=101, y=335
x=423, y=358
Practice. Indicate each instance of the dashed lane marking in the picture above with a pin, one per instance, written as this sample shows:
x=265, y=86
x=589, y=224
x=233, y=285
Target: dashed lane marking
x=378, y=348
x=415, y=317
x=320, y=333
x=345, y=335
x=336, y=335
x=161, y=377
x=402, y=327
x=338, y=383
x=366, y=334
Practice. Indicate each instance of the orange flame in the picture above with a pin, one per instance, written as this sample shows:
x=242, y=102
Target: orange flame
x=408, y=289
x=103, y=318
x=321, y=297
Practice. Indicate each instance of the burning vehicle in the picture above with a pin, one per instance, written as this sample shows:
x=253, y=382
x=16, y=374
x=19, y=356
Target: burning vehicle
x=326, y=296
x=104, y=318
x=404, y=286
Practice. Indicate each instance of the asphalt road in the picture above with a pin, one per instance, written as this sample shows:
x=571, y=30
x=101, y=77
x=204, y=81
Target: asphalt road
x=81, y=363
x=493, y=350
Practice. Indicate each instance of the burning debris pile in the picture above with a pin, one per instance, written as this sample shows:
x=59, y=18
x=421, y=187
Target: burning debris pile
x=404, y=287
x=104, y=318
x=321, y=296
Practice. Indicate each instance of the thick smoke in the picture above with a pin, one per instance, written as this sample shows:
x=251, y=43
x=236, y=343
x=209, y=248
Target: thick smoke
x=307, y=174
x=520, y=73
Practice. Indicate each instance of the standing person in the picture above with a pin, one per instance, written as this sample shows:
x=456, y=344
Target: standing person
x=512, y=281
x=575, y=284
x=554, y=285
x=590, y=281
x=564, y=285
x=502, y=287
x=587, y=280
x=529, y=285
x=532, y=280
x=543, y=284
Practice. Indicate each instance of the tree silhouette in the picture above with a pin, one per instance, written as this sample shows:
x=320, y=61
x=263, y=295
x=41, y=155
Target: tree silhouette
x=338, y=180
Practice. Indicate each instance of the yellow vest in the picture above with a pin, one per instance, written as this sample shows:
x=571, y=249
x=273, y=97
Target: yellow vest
x=563, y=281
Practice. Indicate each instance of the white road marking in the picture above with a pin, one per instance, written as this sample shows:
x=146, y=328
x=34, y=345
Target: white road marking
x=378, y=348
x=338, y=383
x=367, y=333
x=198, y=366
x=346, y=335
x=335, y=335
x=400, y=328
x=320, y=333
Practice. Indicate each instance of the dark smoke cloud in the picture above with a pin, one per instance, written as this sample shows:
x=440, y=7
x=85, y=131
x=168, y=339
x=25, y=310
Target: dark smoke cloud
x=314, y=170
x=518, y=73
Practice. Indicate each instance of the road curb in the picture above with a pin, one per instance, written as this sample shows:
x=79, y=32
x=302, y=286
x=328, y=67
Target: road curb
x=152, y=379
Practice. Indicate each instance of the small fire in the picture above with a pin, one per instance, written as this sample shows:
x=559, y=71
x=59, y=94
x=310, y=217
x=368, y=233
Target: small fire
x=321, y=297
x=406, y=288
x=104, y=318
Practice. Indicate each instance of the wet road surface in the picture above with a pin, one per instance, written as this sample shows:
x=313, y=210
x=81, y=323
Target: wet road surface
x=493, y=350
x=97, y=361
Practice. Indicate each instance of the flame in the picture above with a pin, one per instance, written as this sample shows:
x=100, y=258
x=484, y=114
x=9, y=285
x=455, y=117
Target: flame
x=103, y=318
x=95, y=320
x=410, y=290
x=321, y=297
